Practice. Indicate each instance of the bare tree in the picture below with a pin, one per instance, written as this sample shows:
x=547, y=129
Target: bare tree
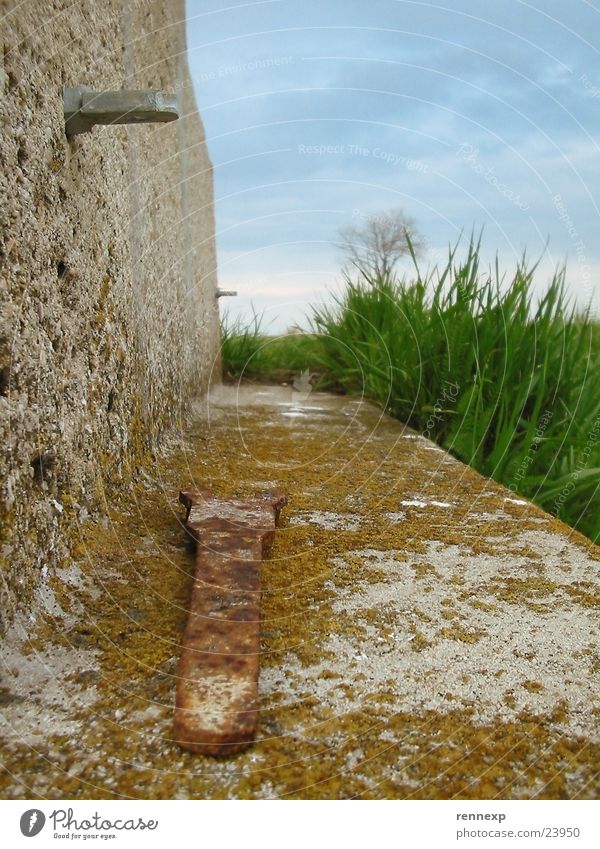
x=375, y=246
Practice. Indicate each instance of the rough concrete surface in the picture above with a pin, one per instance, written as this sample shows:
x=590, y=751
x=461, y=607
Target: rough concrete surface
x=425, y=634
x=108, y=323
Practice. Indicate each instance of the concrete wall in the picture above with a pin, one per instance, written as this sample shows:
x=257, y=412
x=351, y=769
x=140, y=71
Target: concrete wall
x=109, y=323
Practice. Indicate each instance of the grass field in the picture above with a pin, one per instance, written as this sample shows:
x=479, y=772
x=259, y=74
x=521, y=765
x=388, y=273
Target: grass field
x=250, y=354
x=505, y=383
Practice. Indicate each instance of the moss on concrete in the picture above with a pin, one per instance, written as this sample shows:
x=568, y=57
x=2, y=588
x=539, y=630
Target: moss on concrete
x=332, y=725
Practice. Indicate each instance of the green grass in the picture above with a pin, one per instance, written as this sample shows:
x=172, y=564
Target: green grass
x=250, y=354
x=506, y=383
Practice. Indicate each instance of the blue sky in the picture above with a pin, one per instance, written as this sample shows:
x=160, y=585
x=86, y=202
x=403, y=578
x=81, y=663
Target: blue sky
x=318, y=114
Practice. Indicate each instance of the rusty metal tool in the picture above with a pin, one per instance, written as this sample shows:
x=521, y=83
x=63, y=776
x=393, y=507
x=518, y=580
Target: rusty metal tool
x=216, y=710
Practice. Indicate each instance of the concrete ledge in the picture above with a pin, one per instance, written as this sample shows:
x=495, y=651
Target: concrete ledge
x=426, y=634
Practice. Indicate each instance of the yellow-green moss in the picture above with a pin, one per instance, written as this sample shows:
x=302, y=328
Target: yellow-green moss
x=135, y=625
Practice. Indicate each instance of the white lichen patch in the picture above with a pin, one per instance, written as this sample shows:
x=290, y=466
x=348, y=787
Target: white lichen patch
x=44, y=693
x=416, y=502
x=72, y=575
x=398, y=516
x=327, y=519
x=450, y=630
